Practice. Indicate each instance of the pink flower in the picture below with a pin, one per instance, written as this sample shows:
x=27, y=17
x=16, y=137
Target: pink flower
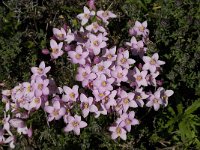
x=110, y=54
x=85, y=75
x=78, y=56
x=105, y=15
x=69, y=37
x=126, y=120
x=124, y=60
x=86, y=105
x=154, y=100
x=137, y=47
x=109, y=100
x=151, y=78
x=118, y=131
x=91, y=4
x=56, y=49
x=140, y=96
x=103, y=83
x=165, y=94
x=102, y=68
x=75, y=124
x=84, y=17
x=100, y=95
x=59, y=34
x=151, y=63
x=141, y=28
x=95, y=28
x=96, y=43
x=40, y=87
x=41, y=70
x=70, y=94
x=140, y=77
x=120, y=74
x=35, y=103
x=55, y=112
x=126, y=99
x=6, y=123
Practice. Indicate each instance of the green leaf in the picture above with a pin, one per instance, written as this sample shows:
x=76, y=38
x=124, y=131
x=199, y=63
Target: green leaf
x=193, y=107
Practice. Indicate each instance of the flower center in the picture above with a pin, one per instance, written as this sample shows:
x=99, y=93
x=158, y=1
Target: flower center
x=119, y=75
x=40, y=86
x=155, y=100
x=106, y=99
x=86, y=16
x=39, y=70
x=29, y=88
x=152, y=62
x=123, y=60
x=85, y=105
x=105, y=14
x=109, y=56
x=138, y=97
x=104, y=83
x=164, y=97
x=60, y=35
x=56, y=112
x=118, y=130
x=75, y=123
x=95, y=25
x=55, y=50
x=141, y=29
x=78, y=56
x=101, y=94
x=37, y=100
x=84, y=74
x=126, y=100
x=139, y=78
x=96, y=43
x=128, y=121
x=100, y=68
x=72, y=95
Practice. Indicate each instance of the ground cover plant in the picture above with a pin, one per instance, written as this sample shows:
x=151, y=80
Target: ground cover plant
x=167, y=129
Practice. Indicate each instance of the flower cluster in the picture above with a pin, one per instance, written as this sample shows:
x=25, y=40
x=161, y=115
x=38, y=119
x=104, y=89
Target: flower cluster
x=120, y=80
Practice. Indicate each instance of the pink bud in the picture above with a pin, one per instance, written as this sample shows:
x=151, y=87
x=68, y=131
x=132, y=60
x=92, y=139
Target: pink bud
x=140, y=66
x=45, y=51
x=132, y=31
x=68, y=48
x=30, y=132
x=159, y=82
x=65, y=27
x=121, y=49
x=96, y=60
x=91, y=4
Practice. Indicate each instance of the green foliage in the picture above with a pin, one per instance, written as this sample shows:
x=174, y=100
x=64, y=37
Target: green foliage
x=26, y=26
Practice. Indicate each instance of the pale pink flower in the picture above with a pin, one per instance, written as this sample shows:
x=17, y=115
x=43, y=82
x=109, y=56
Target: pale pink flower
x=165, y=94
x=102, y=68
x=124, y=60
x=141, y=28
x=75, y=124
x=59, y=34
x=87, y=105
x=35, y=103
x=110, y=54
x=78, y=56
x=56, y=49
x=85, y=75
x=95, y=27
x=140, y=96
x=119, y=74
x=127, y=120
x=151, y=78
x=140, y=77
x=99, y=94
x=103, y=83
x=101, y=110
x=84, y=17
x=40, y=87
x=69, y=37
x=118, y=131
x=126, y=99
x=151, y=63
x=109, y=100
x=56, y=111
x=105, y=15
x=154, y=100
x=96, y=43
x=71, y=94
